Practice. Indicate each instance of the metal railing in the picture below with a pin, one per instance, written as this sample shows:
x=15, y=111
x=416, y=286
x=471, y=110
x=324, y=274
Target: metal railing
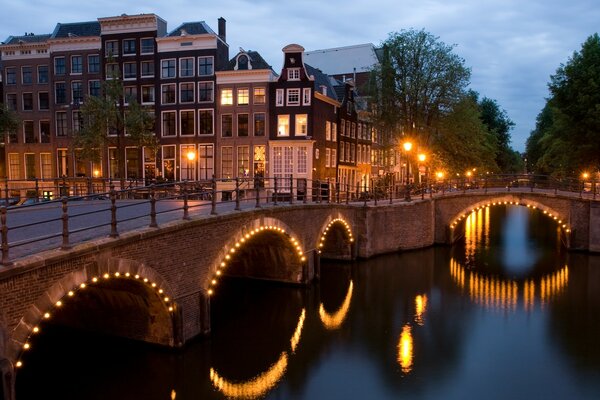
x=61, y=222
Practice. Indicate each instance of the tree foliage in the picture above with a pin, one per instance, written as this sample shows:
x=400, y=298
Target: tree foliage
x=566, y=139
x=9, y=120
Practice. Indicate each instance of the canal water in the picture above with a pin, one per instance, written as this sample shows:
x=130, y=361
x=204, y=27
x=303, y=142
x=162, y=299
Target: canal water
x=503, y=314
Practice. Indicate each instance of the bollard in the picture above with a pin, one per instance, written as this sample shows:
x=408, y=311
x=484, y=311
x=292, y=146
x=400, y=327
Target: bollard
x=186, y=212
x=347, y=193
x=275, y=191
x=113, y=212
x=153, y=223
x=318, y=191
x=391, y=192
x=5, y=260
x=65, y=226
x=291, y=189
x=328, y=191
x=213, y=207
x=337, y=191
x=37, y=190
x=257, y=188
x=237, y=194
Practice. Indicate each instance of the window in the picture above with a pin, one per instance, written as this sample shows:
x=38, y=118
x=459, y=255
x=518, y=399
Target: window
x=293, y=97
x=168, y=93
x=168, y=157
x=243, y=161
x=148, y=94
x=93, y=64
x=352, y=152
x=242, y=124
x=76, y=121
x=259, y=161
x=94, y=88
x=186, y=67
x=342, y=153
x=76, y=92
x=46, y=165
x=206, y=91
x=293, y=74
x=62, y=162
x=187, y=123
x=61, y=123
x=147, y=45
x=149, y=156
x=169, y=127
x=243, y=97
x=112, y=48
x=129, y=47
x=327, y=130
x=187, y=157
x=186, y=92
x=167, y=69
x=347, y=128
x=130, y=94
x=129, y=70
x=14, y=166
x=205, y=66
x=206, y=122
x=333, y=158
x=226, y=97
x=27, y=101
x=59, y=66
x=26, y=75
x=226, y=162
x=353, y=130
x=306, y=93
x=147, y=69
x=327, y=157
x=205, y=161
x=279, y=97
x=76, y=64
x=11, y=76
x=260, y=96
x=259, y=124
x=132, y=162
x=283, y=125
x=11, y=101
x=342, y=128
x=112, y=71
x=28, y=132
x=43, y=101
x=301, y=125
x=302, y=160
x=60, y=93
x=333, y=131
x=226, y=125
x=348, y=157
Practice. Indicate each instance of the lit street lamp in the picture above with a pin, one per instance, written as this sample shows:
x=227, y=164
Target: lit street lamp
x=407, y=147
x=191, y=156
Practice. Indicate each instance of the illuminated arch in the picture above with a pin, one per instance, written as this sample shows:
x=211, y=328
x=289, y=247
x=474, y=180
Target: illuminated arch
x=335, y=320
x=534, y=205
x=328, y=225
x=66, y=290
x=242, y=237
x=265, y=381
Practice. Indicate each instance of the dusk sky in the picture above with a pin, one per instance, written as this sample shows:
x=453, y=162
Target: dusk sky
x=511, y=46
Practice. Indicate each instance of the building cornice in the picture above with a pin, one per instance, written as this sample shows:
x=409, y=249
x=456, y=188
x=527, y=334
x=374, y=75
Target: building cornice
x=327, y=99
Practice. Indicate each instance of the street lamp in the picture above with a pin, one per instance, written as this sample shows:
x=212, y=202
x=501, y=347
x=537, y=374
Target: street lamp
x=407, y=147
x=191, y=156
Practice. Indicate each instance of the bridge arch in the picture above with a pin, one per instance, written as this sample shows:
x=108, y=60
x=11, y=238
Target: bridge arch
x=336, y=240
x=251, y=242
x=128, y=281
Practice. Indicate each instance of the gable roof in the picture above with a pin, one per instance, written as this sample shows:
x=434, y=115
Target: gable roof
x=321, y=80
x=30, y=38
x=192, y=28
x=343, y=60
x=77, y=29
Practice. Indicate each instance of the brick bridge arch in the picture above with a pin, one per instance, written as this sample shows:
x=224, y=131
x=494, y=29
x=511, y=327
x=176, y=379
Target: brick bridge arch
x=336, y=240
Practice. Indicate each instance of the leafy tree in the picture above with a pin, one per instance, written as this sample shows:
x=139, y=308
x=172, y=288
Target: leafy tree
x=534, y=149
x=499, y=125
x=101, y=115
x=9, y=121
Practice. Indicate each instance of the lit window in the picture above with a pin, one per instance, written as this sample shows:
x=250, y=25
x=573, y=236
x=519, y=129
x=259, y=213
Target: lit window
x=283, y=125
x=227, y=97
x=301, y=125
x=243, y=97
x=227, y=162
x=327, y=130
x=260, y=96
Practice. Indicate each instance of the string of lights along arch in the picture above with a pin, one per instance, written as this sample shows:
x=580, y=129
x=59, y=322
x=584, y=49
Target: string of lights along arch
x=71, y=294
x=244, y=241
x=555, y=217
x=329, y=225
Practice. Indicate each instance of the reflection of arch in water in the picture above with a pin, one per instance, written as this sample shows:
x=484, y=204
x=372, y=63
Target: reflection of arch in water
x=335, y=320
x=504, y=294
x=264, y=382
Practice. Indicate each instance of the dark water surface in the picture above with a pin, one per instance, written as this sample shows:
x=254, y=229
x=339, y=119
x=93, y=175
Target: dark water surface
x=504, y=314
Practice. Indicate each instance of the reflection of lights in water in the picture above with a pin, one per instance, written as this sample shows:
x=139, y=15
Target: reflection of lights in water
x=296, y=337
x=503, y=294
x=477, y=230
x=405, y=349
x=173, y=394
x=254, y=388
x=420, y=308
x=333, y=321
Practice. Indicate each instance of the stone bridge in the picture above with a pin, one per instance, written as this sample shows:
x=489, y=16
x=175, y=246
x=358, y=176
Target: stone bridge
x=154, y=284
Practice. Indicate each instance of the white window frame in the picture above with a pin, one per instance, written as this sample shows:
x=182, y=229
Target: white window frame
x=193, y=85
x=279, y=94
x=263, y=96
x=327, y=130
x=327, y=156
x=181, y=120
x=213, y=65
x=212, y=111
x=306, y=96
x=241, y=90
x=292, y=92
x=297, y=132
x=130, y=78
x=153, y=45
x=279, y=119
x=333, y=161
x=181, y=75
x=151, y=62
x=174, y=86
x=222, y=96
x=71, y=64
x=293, y=74
x=162, y=125
x=142, y=94
x=212, y=84
x=123, y=47
x=174, y=69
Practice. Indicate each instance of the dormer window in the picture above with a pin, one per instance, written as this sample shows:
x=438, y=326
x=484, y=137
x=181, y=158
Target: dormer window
x=293, y=74
x=242, y=62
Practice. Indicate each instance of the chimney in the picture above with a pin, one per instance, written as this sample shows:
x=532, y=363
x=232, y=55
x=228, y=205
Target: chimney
x=222, y=33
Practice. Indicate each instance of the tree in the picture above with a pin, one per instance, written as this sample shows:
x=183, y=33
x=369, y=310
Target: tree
x=107, y=122
x=499, y=125
x=534, y=149
x=9, y=121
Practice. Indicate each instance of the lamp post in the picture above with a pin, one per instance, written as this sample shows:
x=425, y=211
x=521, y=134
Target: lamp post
x=191, y=156
x=407, y=147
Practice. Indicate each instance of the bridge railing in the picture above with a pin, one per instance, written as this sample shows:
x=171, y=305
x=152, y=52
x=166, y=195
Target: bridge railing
x=106, y=208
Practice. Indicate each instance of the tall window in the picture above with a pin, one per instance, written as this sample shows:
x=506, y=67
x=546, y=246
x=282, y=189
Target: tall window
x=149, y=156
x=169, y=127
x=94, y=64
x=168, y=93
x=327, y=130
x=76, y=92
x=76, y=64
x=42, y=71
x=30, y=166
x=129, y=46
x=259, y=124
x=259, y=161
x=168, y=159
x=242, y=124
x=302, y=160
x=46, y=165
x=147, y=69
x=62, y=162
x=130, y=94
x=206, y=91
x=205, y=66
x=186, y=67
x=260, y=96
x=301, y=124
x=333, y=131
x=27, y=75
x=226, y=97
x=94, y=88
x=59, y=66
x=333, y=158
x=206, y=122
x=11, y=76
x=14, y=166
x=226, y=125
x=283, y=125
x=28, y=132
x=243, y=97
x=187, y=122
x=167, y=69
x=243, y=161
x=306, y=93
x=112, y=70
x=279, y=97
x=327, y=157
x=27, y=101
x=147, y=45
x=45, y=131
x=187, y=157
x=61, y=123
x=226, y=162
x=76, y=121
x=11, y=101
x=205, y=161
x=147, y=94
x=132, y=162
x=186, y=92
x=112, y=48
x=293, y=97
x=129, y=70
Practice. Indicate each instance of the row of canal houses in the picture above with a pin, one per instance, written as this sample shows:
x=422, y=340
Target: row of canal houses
x=214, y=115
